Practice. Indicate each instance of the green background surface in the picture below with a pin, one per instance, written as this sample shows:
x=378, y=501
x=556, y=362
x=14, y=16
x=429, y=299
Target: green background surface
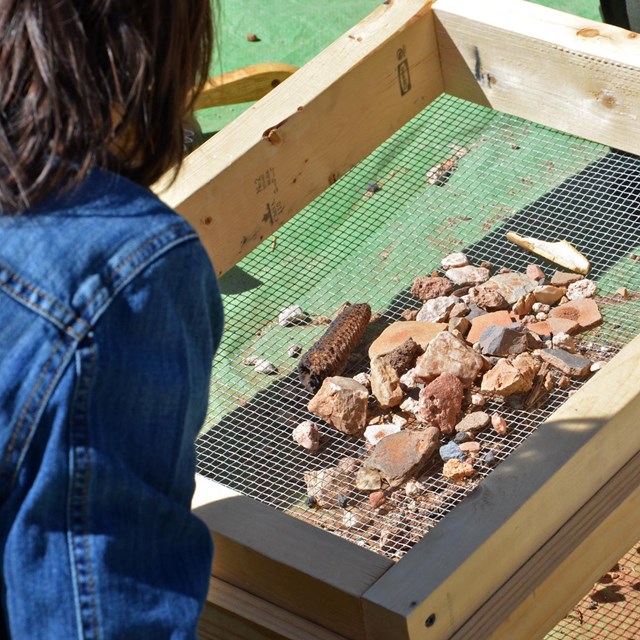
x=294, y=31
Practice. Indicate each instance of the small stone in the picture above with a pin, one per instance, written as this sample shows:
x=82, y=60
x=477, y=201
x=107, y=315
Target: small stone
x=409, y=314
x=504, y=380
x=581, y=289
x=342, y=402
x=507, y=340
x=467, y=275
x=524, y=305
x=429, y=287
x=400, y=455
x=307, y=435
x=461, y=437
x=553, y=326
x=457, y=470
x=373, y=187
x=294, y=350
x=527, y=365
x=363, y=378
x=470, y=447
x=548, y=293
x=473, y=422
x=398, y=333
x=459, y=310
x=534, y=272
x=488, y=299
x=368, y=479
x=374, y=433
x=250, y=360
x=623, y=292
x=540, y=307
x=409, y=379
x=377, y=499
x=478, y=400
x=541, y=316
x=265, y=367
x=451, y=451
x=291, y=316
x=564, y=279
x=446, y=353
x=512, y=286
x=480, y=323
x=569, y=363
x=409, y=405
x=413, y=488
x=252, y=37
x=454, y=261
x=596, y=366
x=436, y=309
x=311, y=502
x=461, y=325
x=549, y=382
x=385, y=383
x=489, y=458
x=327, y=486
x=499, y=424
x=441, y=401
x=564, y=341
x=564, y=382
x=399, y=421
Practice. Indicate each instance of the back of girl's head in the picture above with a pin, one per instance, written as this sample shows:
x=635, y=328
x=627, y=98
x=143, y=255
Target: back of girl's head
x=95, y=83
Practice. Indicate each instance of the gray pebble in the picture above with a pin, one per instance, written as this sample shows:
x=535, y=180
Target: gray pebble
x=451, y=451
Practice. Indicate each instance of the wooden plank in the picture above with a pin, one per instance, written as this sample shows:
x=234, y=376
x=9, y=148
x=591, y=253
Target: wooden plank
x=301, y=568
x=275, y=158
x=553, y=68
x=234, y=614
x=517, y=509
x=553, y=580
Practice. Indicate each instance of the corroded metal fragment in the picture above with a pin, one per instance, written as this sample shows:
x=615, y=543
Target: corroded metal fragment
x=328, y=356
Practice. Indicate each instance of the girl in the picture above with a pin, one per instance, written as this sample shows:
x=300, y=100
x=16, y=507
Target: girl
x=109, y=319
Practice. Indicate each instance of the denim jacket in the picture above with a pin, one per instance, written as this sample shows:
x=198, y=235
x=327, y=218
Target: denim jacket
x=109, y=318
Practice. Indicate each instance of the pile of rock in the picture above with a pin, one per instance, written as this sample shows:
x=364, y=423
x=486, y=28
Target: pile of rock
x=476, y=337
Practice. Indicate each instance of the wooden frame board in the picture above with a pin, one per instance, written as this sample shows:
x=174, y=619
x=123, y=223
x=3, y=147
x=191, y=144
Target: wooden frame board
x=562, y=493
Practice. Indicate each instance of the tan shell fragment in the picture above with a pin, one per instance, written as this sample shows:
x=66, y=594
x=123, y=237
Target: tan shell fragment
x=562, y=252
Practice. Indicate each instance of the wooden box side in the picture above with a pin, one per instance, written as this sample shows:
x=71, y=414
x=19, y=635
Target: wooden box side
x=553, y=68
x=275, y=158
x=291, y=564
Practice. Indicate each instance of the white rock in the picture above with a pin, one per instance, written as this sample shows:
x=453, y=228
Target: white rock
x=436, y=309
x=409, y=379
x=468, y=275
x=409, y=405
x=292, y=315
x=363, y=378
x=399, y=421
x=478, y=399
x=596, y=366
x=540, y=307
x=376, y=432
x=454, y=260
x=307, y=435
x=584, y=288
x=264, y=366
x=413, y=488
x=564, y=341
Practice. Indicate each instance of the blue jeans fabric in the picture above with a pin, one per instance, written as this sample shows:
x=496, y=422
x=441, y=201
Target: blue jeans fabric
x=109, y=318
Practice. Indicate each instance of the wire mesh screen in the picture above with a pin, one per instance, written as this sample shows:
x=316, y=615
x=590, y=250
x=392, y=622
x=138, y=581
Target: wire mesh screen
x=455, y=178
x=611, y=609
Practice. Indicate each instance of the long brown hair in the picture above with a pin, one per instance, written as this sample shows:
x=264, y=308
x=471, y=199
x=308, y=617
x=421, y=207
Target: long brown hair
x=95, y=83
